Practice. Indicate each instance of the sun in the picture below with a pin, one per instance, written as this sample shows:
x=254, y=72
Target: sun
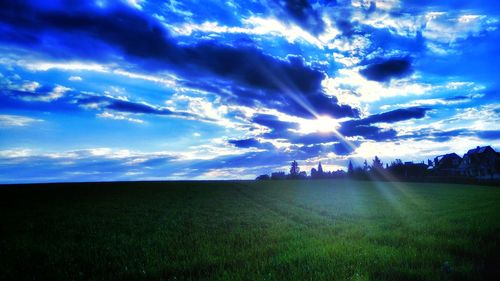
x=322, y=124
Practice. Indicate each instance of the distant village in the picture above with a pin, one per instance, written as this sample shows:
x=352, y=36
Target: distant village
x=480, y=164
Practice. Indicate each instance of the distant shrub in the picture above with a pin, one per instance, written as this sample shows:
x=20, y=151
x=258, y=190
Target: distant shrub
x=263, y=177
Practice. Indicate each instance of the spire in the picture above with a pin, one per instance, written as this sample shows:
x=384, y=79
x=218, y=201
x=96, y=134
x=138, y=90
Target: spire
x=320, y=168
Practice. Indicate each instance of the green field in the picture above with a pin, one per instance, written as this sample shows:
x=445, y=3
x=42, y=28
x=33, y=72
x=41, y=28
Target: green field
x=277, y=230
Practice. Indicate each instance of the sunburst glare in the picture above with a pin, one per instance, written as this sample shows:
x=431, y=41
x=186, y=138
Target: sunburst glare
x=322, y=124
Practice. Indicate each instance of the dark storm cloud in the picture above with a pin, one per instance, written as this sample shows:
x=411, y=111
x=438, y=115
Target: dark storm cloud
x=489, y=135
x=127, y=106
x=302, y=13
x=387, y=70
x=245, y=143
x=393, y=116
x=250, y=143
x=458, y=98
x=123, y=106
x=73, y=29
x=280, y=130
x=25, y=101
x=367, y=132
x=105, y=102
x=363, y=127
x=353, y=128
x=42, y=93
x=273, y=122
x=88, y=32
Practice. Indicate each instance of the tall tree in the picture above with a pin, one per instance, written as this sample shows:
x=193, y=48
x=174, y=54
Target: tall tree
x=320, y=168
x=294, y=169
x=314, y=173
x=350, y=168
x=365, y=166
x=377, y=164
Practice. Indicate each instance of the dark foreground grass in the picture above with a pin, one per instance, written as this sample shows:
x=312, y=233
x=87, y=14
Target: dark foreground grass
x=311, y=230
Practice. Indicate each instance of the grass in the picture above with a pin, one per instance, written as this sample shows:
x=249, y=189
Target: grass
x=284, y=230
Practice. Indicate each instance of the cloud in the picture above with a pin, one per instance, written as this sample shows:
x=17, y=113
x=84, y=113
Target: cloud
x=75, y=78
x=99, y=164
x=368, y=132
x=447, y=28
x=387, y=70
x=105, y=164
x=252, y=26
x=72, y=30
x=245, y=143
x=447, y=135
x=273, y=122
x=452, y=100
x=352, y=128
x=302, y=13
x=363, y=127
x=114, y=116
x=60, y=98
x=251, y=143
x=119, y=105
x=393, y=116
x=489, y=135
x=248, y=71
x=7, y=120
x=33, y=91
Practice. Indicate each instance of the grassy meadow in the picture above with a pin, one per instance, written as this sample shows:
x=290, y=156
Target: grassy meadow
x=276, y=230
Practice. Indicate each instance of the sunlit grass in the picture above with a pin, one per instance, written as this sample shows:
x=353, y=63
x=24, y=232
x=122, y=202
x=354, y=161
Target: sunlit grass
x=283, y=230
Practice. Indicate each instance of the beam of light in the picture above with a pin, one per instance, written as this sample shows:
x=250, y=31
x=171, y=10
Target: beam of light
x=287, y=87
x=323, y=124
x=390, y=184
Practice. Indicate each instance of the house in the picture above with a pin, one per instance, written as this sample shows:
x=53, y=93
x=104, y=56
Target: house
x=411, y=170
x=447, y=165
x=481, y=163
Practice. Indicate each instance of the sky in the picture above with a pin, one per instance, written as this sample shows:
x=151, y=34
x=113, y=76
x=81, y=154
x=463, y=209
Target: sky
x=165, y=90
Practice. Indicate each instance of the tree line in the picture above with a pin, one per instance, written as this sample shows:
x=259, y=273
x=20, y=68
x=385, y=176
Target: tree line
x=444, y=168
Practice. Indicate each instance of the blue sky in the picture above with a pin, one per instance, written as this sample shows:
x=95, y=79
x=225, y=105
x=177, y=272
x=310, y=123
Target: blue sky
x=153, y=90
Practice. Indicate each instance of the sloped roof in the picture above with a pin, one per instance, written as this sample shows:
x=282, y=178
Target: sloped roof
x=452, y=155
x=479, y=149
x=447, y=156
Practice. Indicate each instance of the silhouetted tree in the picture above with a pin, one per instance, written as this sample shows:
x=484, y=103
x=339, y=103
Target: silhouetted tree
x=365, y=166
x=350, y=168
x=359, y=174
x=377, y=164
x=263, y=177
x=314, y=173
x=377, y=167
x=294, y=169
x=278, y=176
